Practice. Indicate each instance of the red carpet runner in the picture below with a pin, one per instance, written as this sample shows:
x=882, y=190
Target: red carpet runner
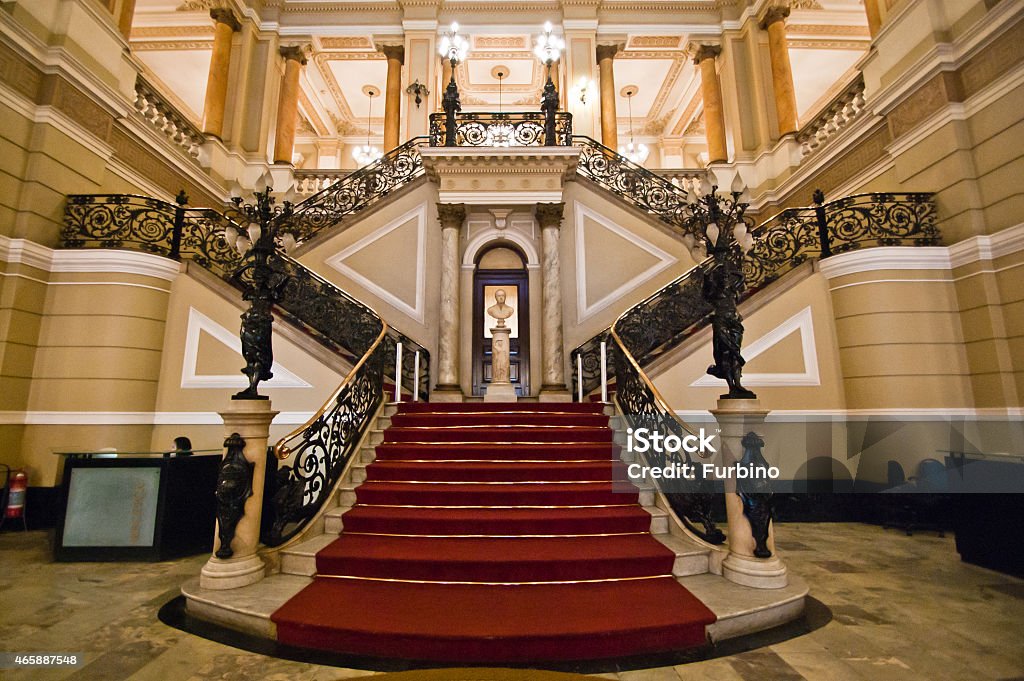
x=488, y=533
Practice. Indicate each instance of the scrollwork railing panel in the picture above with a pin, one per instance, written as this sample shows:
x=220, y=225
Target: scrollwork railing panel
x=491, y=129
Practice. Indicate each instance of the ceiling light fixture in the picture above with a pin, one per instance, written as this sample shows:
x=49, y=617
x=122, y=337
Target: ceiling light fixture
x=637, y=153
x=365, y=154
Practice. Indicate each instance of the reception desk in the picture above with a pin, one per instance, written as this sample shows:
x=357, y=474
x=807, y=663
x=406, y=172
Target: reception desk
x=136, y=507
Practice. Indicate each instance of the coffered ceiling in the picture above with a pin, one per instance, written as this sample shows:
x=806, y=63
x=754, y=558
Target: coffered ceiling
x=174, y=41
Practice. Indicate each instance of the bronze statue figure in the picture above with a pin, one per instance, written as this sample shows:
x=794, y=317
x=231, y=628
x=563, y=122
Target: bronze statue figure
x=722, y=286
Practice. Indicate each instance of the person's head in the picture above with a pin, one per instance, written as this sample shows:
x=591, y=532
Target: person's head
x=182, y=445
x=499, y=296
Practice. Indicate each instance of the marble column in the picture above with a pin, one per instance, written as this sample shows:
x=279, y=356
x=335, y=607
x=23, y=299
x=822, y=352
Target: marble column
x=288, y=104
x=451, y=216
x=251, y=420
x=549, y=216
x=874, y=13
x=220, y=64
x=127, y=16
x=609, y=120
x=714, y=112
x=446, y=77
x=393, y=95
x=774, y=22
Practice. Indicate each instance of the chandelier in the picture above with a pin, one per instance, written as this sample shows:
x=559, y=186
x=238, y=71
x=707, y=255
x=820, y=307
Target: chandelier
x=365, y=154
x=637, y=153
x=500, y=134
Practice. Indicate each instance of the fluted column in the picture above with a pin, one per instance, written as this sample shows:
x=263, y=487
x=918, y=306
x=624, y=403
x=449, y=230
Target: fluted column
x=220, y=64
x=609, y=120
x=393, y=94
x=124, y=21
x=874, y=13
x=288, y=104
x=549, y=216
x=774, y=23
x=714, y=113
x=451, y=216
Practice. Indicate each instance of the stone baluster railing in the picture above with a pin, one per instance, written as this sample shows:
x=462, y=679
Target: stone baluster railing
x=310, y=181
x=164, y=117
x=683, y=178
x=834, y=118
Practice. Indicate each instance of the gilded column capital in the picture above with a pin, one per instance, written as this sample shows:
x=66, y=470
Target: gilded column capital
x=609, y=51
x=773, y=14
x=549, y=214
x=702, y=52
x=393, y=52
x=223, y=15
x=451, y=215
x=293, y=53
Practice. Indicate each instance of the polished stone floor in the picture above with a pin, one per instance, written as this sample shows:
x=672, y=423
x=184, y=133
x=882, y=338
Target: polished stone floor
x=903, y=609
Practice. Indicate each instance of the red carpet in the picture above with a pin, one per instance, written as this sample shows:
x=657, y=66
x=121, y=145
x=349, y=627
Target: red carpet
x=489, y=533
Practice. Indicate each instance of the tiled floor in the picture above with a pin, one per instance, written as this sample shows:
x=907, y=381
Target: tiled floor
x=904, y=608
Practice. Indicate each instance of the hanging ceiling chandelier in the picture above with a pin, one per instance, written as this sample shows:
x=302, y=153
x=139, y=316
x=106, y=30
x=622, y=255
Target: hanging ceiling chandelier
x=365, y=154
x=500, y=133
x=637, y=153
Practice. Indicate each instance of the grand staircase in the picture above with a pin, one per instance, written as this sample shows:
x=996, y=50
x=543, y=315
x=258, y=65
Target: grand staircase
x=492, y=533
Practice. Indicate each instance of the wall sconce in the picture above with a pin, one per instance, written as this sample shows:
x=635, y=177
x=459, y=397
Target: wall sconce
x=579, y=90
x=419, y=90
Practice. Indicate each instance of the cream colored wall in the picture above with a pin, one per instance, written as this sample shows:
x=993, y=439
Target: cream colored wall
x=194, y=408
x=403, y=261
x=674, y=380
x=612, y=272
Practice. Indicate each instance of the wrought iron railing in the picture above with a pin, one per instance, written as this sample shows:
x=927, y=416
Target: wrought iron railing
x=320, y=449
x=359, y=189
x=483, y=129
x=655, y=325
x=648, y=191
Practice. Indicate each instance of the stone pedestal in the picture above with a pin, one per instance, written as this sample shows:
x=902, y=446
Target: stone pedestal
x=500, y=389
x=736, y=418
x=250, y=419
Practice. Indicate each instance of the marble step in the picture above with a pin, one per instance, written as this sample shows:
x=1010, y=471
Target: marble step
x=691, y=559
x=300, y=559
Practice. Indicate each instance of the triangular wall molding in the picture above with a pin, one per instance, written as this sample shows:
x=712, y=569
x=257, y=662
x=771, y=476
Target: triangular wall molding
x=801, y=322
x=584, y=307
x=416, y=310
x=198, y=323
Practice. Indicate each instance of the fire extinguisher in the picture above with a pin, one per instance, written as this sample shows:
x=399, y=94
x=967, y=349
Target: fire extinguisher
x=17, y=487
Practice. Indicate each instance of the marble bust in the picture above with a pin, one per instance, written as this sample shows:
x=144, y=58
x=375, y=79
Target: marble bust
x=500, y=310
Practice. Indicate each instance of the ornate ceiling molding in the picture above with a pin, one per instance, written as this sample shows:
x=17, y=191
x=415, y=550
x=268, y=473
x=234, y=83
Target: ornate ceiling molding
x=171, y=45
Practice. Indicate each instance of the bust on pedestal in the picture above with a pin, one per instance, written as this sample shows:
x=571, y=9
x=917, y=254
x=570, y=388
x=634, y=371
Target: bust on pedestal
x=500, y=389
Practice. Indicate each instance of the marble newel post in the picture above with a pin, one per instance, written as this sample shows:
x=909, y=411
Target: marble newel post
x=549, y=215
x=736, y=418
x=451, y=216
x=250, y=419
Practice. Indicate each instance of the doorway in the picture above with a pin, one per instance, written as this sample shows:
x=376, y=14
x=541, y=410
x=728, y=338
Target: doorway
x=501, y=267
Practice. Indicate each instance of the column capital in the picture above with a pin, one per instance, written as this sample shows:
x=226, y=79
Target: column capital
x=451, y=215
x=293, y=53
x=223, y=15
x=702, y=52
x=773, y=14
x=393, y=52
x=609, y=51
x=549, y=214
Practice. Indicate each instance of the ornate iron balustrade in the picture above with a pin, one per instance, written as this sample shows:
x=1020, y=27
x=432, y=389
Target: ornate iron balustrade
x=359, y=189
x=782, y=243
x=524, y=129
x=338, y=321
x=662, y=321
x=651, y=193
x=318, y=451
